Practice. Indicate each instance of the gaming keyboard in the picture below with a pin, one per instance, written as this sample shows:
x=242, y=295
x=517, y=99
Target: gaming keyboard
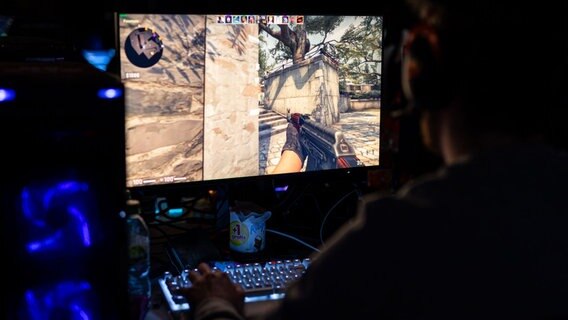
x=261, y=281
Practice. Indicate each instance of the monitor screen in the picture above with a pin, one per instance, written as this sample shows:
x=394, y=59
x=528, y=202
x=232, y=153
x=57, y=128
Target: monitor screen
x=210, y=96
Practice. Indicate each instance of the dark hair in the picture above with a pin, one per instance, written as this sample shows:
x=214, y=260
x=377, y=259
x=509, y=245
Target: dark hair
x=506, y=62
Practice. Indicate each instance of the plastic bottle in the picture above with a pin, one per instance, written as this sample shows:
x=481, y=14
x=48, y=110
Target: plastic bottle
x=139, y=283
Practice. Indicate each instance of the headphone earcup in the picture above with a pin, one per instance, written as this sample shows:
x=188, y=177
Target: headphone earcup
x=425, y=77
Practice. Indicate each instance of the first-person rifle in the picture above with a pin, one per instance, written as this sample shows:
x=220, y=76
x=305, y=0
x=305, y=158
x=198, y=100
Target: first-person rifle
x=324, y=147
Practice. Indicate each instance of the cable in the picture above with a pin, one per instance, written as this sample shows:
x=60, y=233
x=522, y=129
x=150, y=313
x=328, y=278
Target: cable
x=330, y=210
x=294, y=238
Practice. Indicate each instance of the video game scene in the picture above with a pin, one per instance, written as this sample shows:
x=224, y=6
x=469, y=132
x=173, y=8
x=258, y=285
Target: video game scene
x=210, y=96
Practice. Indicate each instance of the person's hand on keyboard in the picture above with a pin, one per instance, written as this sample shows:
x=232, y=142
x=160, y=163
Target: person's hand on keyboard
x=208, y=284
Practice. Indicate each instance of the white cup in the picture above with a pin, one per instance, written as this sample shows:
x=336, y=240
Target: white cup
x=247, y=231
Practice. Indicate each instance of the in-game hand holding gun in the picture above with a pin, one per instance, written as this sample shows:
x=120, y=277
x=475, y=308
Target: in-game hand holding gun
x=324, y=147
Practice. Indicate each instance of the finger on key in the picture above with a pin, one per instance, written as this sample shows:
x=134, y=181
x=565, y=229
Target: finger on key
x=194, y=275
x=204, y=268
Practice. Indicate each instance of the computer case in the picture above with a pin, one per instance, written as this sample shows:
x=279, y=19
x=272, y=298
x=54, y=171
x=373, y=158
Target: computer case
x=62, y=191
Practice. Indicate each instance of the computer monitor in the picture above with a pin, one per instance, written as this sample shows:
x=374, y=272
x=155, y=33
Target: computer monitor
x=209, y=96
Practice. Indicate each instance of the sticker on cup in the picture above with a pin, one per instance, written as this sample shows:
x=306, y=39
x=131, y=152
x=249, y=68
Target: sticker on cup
x=247, y=231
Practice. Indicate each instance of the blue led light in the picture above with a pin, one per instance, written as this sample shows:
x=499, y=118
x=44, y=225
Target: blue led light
x=74, y=299
x=109, y=93
x=281, y=189
x=83, y=225
x=63, y=188
x=175, y=212
x=99, y=58
x=46, y=243
x=69, y=201
x=7, y=95
x=29, y=208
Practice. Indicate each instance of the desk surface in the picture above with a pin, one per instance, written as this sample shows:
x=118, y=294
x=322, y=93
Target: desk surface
x=187, y=250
